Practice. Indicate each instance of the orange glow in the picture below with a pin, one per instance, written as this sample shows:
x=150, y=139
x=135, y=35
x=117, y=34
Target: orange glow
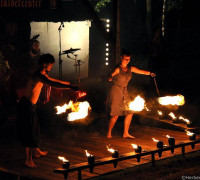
x=87, y=154
x=79, y=110
x=155, y=140
x=172, y=100
x=167, y=136
x=110, y=149
x=186, y=120
x=160, y=113
x=62, y=158
x=172, y=115
x=81, y=94
x=137, y=104
x=189, y=133
x=134, y=146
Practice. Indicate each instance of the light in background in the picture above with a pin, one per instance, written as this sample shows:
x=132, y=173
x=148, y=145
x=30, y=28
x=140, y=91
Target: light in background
x=107, y=45
x=74, y=35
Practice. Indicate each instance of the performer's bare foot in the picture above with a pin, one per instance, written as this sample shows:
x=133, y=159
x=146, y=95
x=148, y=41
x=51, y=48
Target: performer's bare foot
x=39, y=153
x=30, y=164
x=109, y=136
x=128, y=136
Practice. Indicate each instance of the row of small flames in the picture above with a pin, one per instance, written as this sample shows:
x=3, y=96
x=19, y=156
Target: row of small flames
x=137, y=149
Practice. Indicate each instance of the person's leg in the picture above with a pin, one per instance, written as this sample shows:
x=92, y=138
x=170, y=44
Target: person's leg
x=127, y=122
x=112, y=122
x=39, y=153
x=29, y=161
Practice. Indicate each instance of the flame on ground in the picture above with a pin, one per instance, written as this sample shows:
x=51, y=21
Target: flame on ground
x=79, y=110
x=172, y=100
x=172, y=115
x=160, y=113
x=147, y=109
x=189, y=133
x=87, y=153
x=137, y=104
x=110, y=149
x=155, y=140
x=134, y=146
x=186, y=120
x=168, y=136
x=62, y=158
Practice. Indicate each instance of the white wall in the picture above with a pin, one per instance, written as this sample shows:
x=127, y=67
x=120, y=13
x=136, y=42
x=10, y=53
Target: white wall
x=73, y=35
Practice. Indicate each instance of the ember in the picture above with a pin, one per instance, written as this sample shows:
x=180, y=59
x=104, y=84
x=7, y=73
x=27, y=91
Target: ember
x=178, y=100
x=137, y=104
x=66, y=163
x=79, y=110
x=138, y=149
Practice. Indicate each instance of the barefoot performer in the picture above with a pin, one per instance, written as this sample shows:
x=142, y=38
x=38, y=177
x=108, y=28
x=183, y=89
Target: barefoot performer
x=27, y=121
x=118, y=97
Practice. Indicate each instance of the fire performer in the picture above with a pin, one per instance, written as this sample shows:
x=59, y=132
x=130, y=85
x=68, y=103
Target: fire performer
x=27, y=121
x=118, y=97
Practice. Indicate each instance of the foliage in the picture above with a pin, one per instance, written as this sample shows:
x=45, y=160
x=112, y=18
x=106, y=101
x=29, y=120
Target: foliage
x=100, y=4
x=174, y=4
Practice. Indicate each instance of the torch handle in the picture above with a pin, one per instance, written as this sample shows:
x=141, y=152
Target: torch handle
x=156, y=86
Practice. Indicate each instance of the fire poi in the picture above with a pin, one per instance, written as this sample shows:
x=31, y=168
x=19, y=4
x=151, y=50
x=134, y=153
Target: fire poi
x=79, y=110
x=137, y=104
x=178, y=100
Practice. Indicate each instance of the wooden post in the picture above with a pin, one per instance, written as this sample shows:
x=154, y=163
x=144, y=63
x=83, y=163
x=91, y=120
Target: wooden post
x=79, y=175
x=153, y=159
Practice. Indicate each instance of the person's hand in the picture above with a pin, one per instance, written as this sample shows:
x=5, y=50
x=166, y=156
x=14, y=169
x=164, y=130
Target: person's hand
x=110, y=78
x=74, y=87
x=152, y=74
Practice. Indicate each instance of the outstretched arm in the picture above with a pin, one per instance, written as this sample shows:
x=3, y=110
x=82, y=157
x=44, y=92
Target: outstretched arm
x=55, y=83
x=116, y=71
x=140, y=71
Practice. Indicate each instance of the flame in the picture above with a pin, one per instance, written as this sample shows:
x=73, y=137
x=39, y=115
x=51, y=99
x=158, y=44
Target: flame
x=155, y=140
x=62, y=109
x=172, y=115
x=186, y=120
x=160, y=113
x=134, y=146
x=87, y=153
x=79, y=110
x=189, y=133
x=62, y=158
x=137, y=104
x=172, y=100
x=81, y=94
x=168, y=136
x=110, y=149
x=147, y=109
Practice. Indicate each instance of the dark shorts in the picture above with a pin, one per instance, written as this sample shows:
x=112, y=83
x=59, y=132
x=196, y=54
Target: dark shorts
x=28, y=129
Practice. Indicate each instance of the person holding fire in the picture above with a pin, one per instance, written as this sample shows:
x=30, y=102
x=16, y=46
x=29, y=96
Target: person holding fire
x=118, y=97
x=27, y=122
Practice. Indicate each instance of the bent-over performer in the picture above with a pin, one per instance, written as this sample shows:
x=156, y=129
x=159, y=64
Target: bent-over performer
x=27, y=121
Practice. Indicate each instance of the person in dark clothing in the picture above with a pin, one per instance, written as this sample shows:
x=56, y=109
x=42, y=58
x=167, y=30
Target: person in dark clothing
x=118, y=97
x=27, y=122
